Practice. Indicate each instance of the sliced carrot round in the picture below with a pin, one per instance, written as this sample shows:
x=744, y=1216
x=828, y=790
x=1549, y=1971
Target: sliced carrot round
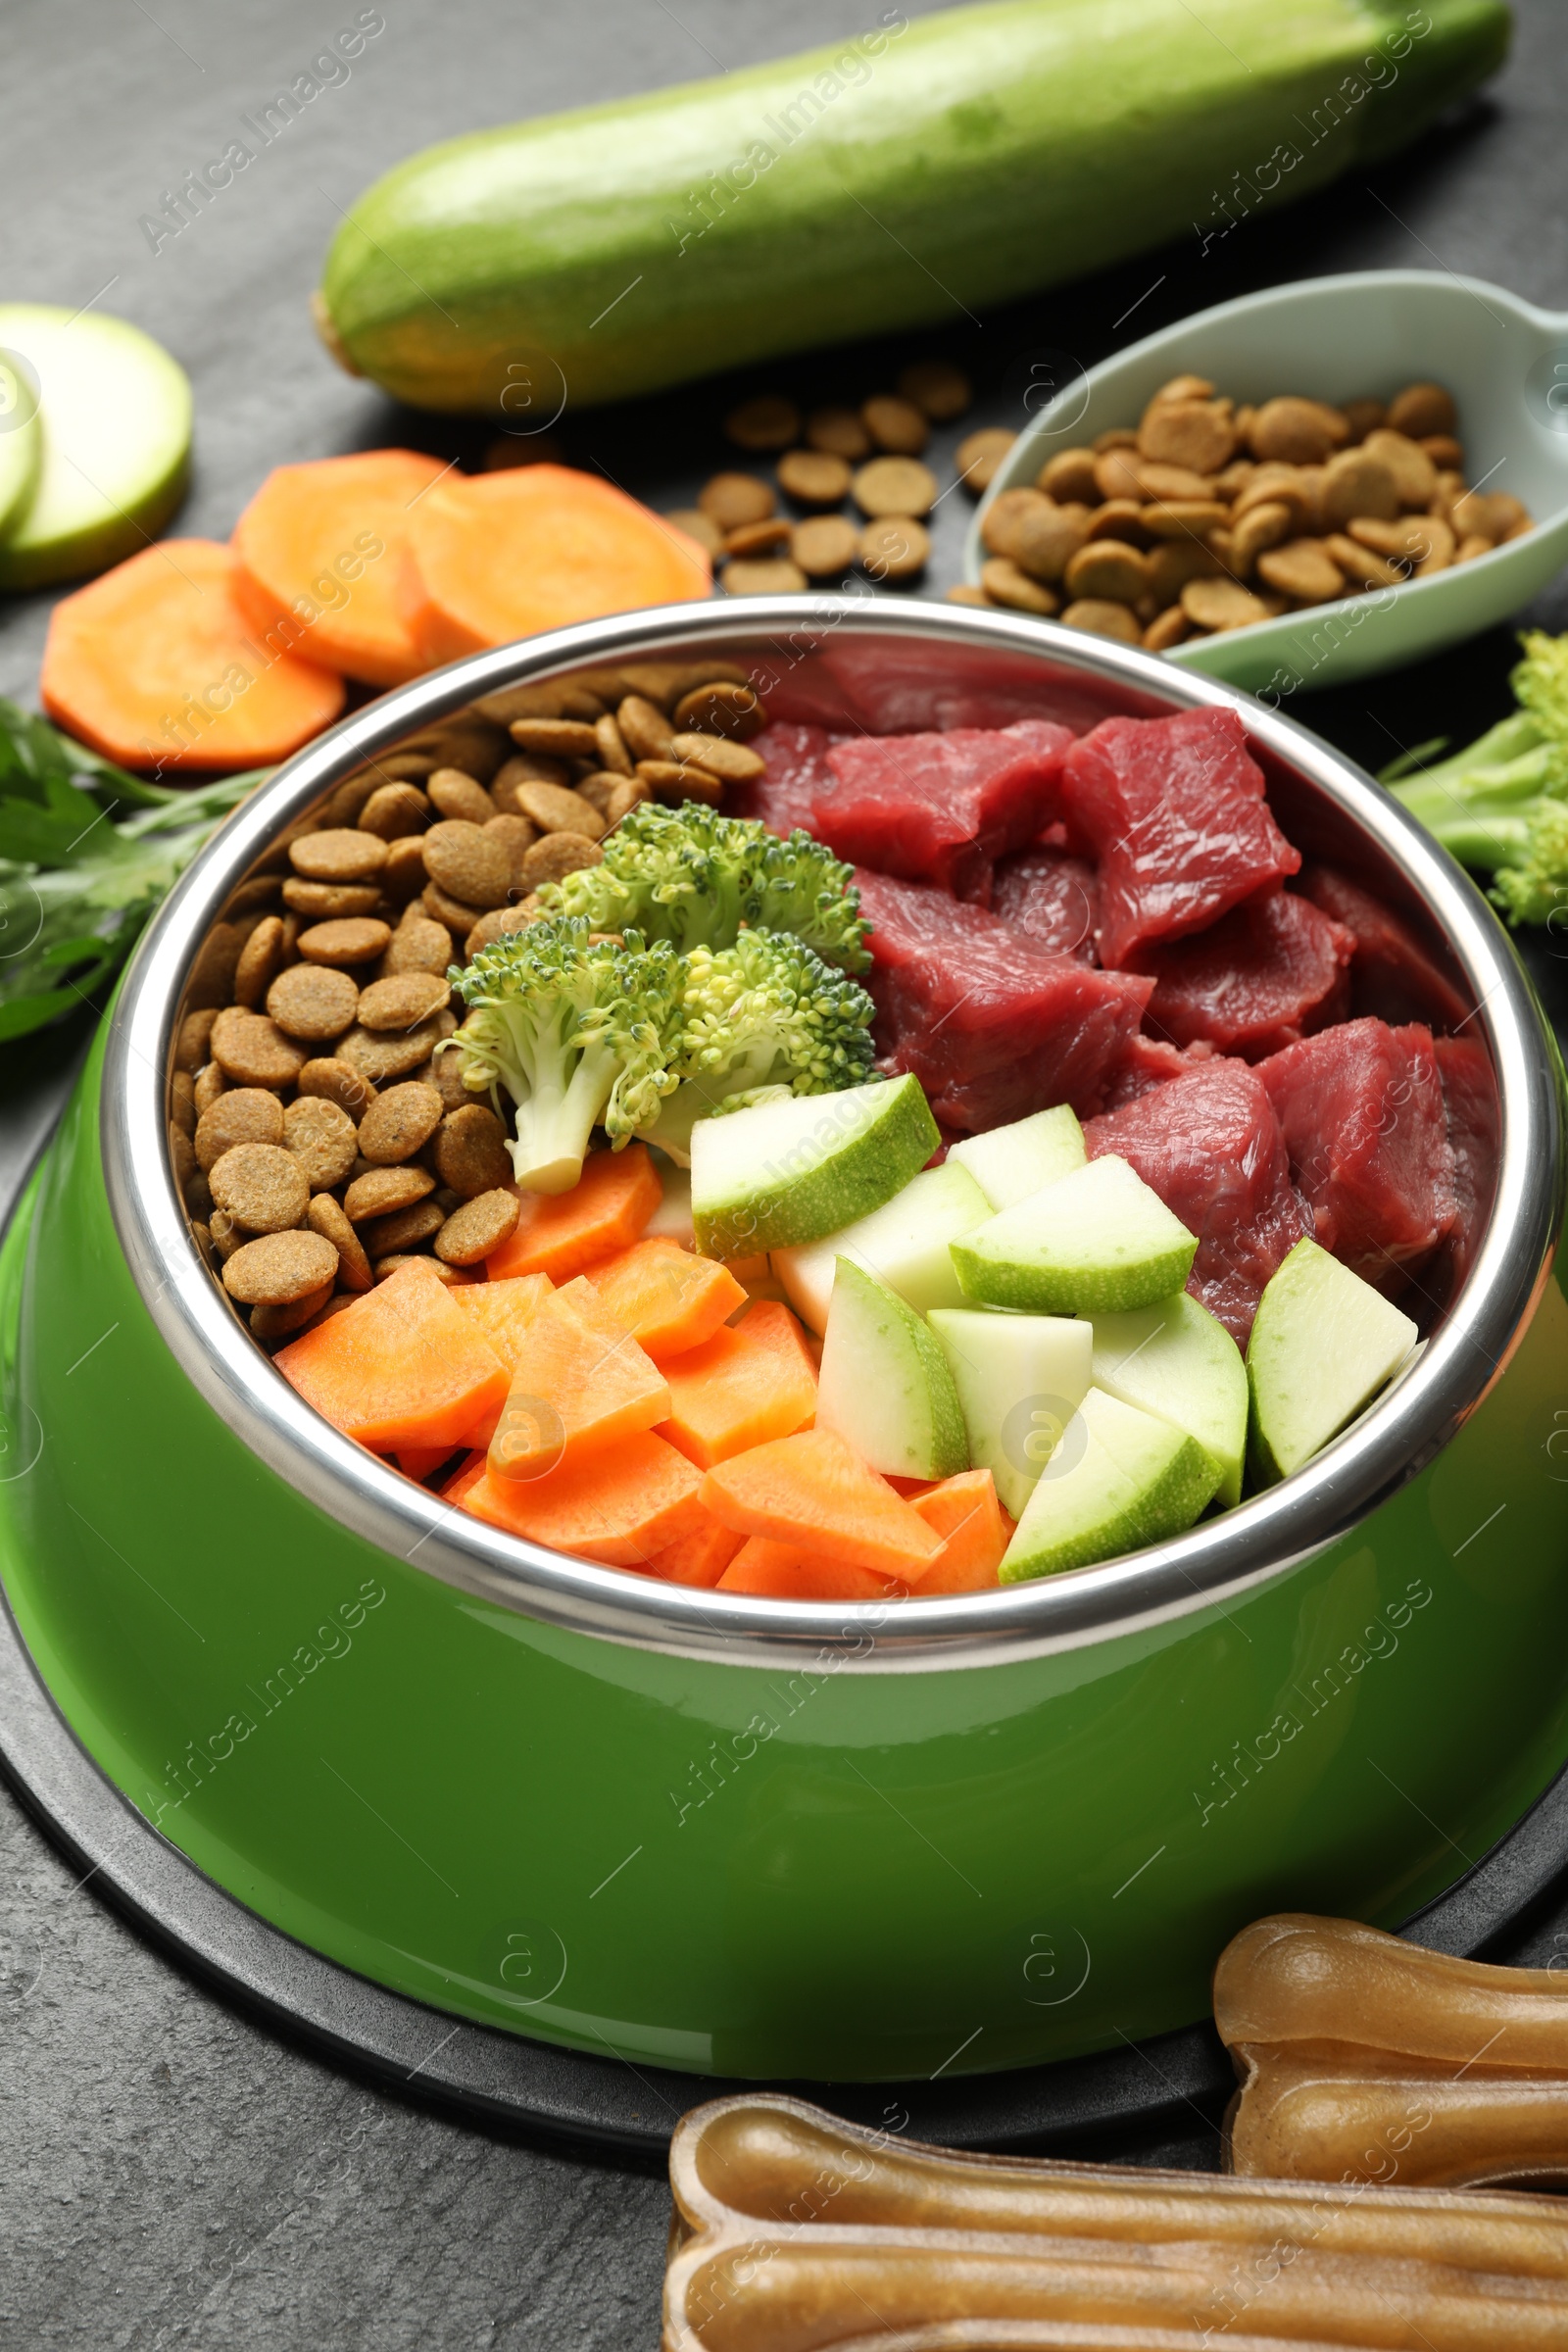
x=323, y=546
x=504, y=554
x=156, y=665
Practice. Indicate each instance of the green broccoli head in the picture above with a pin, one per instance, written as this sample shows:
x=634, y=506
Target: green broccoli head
x=1541, y=683
x=578, y=1031
x=1532, y=886
x=763, y=1019
x=698, y=879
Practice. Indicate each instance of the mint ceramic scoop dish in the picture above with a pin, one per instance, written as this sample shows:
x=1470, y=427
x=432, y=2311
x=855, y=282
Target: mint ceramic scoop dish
x=1362, y=335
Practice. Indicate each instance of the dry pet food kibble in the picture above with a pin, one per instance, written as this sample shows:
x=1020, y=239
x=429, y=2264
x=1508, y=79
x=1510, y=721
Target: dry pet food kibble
x=1208, y=517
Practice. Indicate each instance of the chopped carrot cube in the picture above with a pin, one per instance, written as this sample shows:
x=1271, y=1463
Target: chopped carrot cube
x=622, y=1506
x=503, y=1311
x=787, y=1572
x=813, y=1492
x=700, y=1558
x=579, y=1379
x=750, y=1382
x=975, y=1532
x=669, y=1299
x=402, y=1366
x=559, y=1234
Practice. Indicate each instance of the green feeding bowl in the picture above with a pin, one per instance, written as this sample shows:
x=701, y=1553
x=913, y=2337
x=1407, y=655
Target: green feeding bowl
x=759, y=1838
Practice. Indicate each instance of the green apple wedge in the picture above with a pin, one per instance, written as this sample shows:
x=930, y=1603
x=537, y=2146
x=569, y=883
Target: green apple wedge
x=1008, y=1163
x=884, y=1384
x=1174, y=1359
x=1021, y=1379
x=1120, y=1478
x=116, y=419
x=1323, y=1343
x=904, y=1243
x=1096, y=1242
x=781, y=1173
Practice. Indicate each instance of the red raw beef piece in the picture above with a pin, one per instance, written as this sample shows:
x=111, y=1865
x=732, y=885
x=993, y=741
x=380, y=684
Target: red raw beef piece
x=1210, y=1145
x=1393, y=976
x=942, y=808
x=1263, y=977
x=1051, y=898
x=1470, y=1101
x=1147, y=1061
x=1361, y=1109
x=796, y=771
x=992, y=1024
x=1173, y=809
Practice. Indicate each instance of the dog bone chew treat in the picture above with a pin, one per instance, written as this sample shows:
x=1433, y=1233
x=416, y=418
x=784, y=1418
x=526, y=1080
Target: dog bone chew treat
x=794, y=2231
x=1363, y=2056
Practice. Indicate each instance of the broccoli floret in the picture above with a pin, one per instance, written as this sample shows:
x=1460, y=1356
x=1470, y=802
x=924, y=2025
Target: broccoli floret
x=1501, y=807
x=578, y=1031
x=699, y=879
x=761, y=1020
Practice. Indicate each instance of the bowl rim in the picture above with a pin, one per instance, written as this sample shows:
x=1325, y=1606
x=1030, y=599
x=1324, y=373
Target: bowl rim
x=1259, y=1539
x=1021, y=463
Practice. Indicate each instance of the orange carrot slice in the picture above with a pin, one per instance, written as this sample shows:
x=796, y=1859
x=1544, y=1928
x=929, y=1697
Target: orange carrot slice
x=699, y=1558
x=622, y=1506
x=402, y=1366
x=468, y=1474
x=502, y=1311
x=417, y=1461
x=579, y=1381
x=669, y=1299
x=321, y=547
x=503, y=555
x=975, y=1532
x=813, y=1492
x=750, y=1382
x=785, y=1572
x=559, y=1234
x=156, y=665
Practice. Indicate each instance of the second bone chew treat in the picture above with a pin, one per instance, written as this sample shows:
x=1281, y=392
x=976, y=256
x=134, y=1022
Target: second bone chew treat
x=794, y=2231
x=1365, y=2057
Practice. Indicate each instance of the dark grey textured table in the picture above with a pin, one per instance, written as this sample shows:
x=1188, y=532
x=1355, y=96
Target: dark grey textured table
x=170, y=2174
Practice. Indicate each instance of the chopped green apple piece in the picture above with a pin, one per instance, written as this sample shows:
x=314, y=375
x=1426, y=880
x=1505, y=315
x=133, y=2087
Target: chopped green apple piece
x=785, y=1172
x=1021, y=1379
x=1096, y=1242
x=116, y=419
x=1174, y=1359
x=884, y=1384
x=1323, y=1345
x=904, y=1243
x=1008, y=1163
x=1122, y=1478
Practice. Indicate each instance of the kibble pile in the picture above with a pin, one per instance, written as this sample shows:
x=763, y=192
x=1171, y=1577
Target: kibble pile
x=1208, y=517
x=319, y=1135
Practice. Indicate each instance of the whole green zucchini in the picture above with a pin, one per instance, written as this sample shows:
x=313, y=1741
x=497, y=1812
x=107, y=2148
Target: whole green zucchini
x=903, y=176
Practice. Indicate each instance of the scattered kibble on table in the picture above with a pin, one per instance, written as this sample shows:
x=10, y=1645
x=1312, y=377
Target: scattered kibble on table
x=869, y=460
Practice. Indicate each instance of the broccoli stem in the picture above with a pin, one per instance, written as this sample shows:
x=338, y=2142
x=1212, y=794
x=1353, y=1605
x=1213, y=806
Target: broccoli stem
x=554, y=1126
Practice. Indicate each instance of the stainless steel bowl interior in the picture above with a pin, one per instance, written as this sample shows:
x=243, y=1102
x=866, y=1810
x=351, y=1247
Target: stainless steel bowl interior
x=882, y=666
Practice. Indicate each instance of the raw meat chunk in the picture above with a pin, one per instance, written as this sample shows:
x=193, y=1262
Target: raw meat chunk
x=1470, y=1101
x=942, y=808
x=1264, y=976
x=992, y=1024
x=1052, y=898
x=1210, y=1145
x=1174, y=811
x=1362, y=1114
x=1147, y=1061
x=796, y=771
x=1393, y=976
